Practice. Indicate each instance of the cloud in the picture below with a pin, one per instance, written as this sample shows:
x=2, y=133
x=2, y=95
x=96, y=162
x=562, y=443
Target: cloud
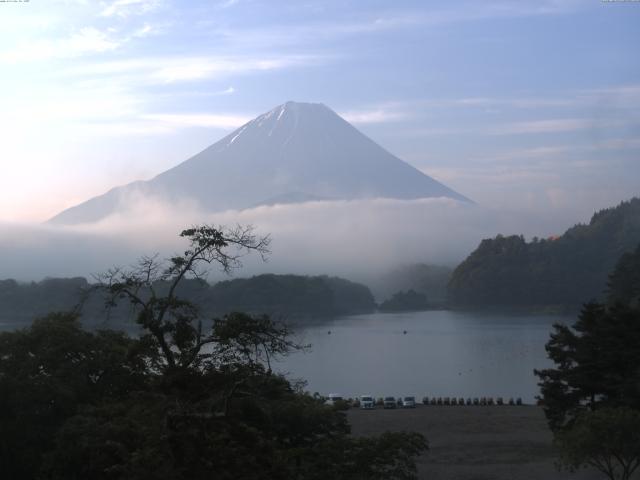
x=198, y=120
x=374, y=115
x=228, y=3
x=143, y=31
x=622, y=92
x=382, y=20
x=172, y=69
x=85, y=41
x=514, y=102
x=543, y=126
x=126, y=8
x=181, y=69
x=354, y=239
x=226, y=91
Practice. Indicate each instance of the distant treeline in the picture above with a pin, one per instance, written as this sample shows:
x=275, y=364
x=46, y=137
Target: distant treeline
x=563, y=271
x=290, y=297
x=427, y=279
x=409, y=301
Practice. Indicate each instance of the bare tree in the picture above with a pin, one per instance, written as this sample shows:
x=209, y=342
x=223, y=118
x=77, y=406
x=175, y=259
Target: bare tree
x=172, y=323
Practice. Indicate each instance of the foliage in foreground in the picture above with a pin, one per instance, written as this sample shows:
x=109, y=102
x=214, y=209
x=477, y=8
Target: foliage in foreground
x=597, y=364
x=180, y=401
x=607, y=439
x=592, y=396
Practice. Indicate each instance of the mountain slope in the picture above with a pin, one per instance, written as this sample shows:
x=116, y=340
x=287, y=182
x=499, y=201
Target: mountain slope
x=561, y=271
x=295, y=152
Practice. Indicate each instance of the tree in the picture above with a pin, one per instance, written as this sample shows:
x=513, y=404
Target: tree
x=624, y=282
x=597, y=364
x=592, y=396
x=170, y=322
x=561, y=272
x=607, y=439
x=47, y=372
x=180, y=401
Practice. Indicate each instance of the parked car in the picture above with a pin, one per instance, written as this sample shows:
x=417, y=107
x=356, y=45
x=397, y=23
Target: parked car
x=333, y=398
x=389, y=402
x=367, y=402
x=409, y=402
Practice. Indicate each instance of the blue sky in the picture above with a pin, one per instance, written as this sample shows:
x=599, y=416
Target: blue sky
x=520, y=105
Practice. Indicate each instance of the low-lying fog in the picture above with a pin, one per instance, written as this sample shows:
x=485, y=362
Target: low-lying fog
x=354, y=239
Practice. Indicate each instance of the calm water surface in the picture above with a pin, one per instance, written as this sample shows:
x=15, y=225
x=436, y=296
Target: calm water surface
x=443, y=353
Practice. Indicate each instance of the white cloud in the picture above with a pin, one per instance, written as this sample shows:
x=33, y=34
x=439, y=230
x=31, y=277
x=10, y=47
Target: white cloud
x=333, y=231
x=198, y=120
x=125, y=8
x=514, y=102
x=373, y=116
x=143, y=31
x=228, y=3
x=181, y=69
x=158, y=69
x=85, y=41
x=379, y=113
x=543, y=126
x=392, y=19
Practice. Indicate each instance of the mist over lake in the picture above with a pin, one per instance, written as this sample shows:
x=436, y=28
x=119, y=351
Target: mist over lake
x=443, y=353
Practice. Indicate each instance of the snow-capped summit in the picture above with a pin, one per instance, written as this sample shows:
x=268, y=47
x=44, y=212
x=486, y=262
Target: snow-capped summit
x=294, y=153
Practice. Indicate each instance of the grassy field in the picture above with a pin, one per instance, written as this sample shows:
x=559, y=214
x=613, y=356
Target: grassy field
x=474, y=442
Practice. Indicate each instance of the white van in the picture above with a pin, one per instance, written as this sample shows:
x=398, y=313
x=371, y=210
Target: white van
x=367, y=402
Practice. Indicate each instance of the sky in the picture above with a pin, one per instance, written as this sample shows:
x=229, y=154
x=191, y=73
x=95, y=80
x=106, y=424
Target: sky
x=520, y=105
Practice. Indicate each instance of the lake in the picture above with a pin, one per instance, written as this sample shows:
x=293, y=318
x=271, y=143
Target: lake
x=443, y=353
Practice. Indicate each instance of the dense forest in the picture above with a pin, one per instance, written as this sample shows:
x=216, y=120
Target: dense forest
x=563, y=271
x=290, y=297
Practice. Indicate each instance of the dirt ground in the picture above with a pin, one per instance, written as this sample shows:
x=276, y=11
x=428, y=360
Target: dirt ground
x=479, y=443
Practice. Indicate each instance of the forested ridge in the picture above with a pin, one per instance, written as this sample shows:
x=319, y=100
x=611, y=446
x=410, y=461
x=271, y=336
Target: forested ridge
x=289, y=297
x=564, y=271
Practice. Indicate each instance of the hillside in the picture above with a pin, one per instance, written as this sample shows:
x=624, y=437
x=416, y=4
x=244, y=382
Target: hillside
x=289, y=297
x=564, y=271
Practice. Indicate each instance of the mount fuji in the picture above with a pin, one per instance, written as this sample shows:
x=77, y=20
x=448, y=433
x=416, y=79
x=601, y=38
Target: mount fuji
x=295, y=153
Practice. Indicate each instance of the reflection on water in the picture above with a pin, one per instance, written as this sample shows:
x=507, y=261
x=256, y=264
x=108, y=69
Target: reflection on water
x=442, y=353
